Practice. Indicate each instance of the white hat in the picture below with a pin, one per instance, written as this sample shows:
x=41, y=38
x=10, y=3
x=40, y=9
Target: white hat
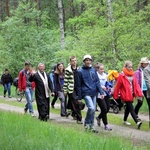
x=87, y=57
x=144, y=60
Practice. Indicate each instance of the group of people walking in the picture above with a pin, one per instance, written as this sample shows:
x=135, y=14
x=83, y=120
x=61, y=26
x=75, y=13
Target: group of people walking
x=88, y=83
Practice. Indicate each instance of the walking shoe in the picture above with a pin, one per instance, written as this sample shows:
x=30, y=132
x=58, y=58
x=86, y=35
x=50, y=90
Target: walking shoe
x=139, y=123
x=126, y=123
x=9, y=96
x=107, y=128
x=67, y=114
x=92, y=129
x=52, y=106
x=32, y=114
x=4, y=95
x=98, y=121
x=79, y=122
x=138, y=118
x=25, y=111
x=86, y=127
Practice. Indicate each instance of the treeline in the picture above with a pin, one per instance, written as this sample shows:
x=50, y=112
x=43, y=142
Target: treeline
x=51, y=30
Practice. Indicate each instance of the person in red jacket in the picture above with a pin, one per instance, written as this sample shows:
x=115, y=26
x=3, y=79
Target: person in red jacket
x=25, y=85
x=128, y=88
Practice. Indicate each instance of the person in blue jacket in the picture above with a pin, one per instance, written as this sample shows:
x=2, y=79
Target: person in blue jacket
x=88, y=88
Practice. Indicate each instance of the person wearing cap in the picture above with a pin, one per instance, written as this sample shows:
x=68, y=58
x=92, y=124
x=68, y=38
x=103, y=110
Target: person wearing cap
x=128, y=88
x=7, y=82
x=88, y=88
x=141, y=81
x=25, y=85
x=147, y=80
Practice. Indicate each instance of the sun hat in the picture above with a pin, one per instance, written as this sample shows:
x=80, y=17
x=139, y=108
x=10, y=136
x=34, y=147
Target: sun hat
x=144, y=60
x=87, y=57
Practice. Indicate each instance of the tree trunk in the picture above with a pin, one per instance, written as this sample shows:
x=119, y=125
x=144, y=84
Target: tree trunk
x=39, y=8
x=61, y=23
x=7, y=8
x=1, y=10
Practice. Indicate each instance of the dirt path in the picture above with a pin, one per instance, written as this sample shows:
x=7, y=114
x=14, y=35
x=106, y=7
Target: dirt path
x=137, y=136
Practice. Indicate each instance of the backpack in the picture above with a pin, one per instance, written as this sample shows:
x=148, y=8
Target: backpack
x=15, y=81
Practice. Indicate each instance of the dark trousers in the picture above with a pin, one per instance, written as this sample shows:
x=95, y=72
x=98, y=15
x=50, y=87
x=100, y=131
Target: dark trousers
x=104, y=105
x=44, y=110
x=76, y=112
x=54, y=100
x=130, y=109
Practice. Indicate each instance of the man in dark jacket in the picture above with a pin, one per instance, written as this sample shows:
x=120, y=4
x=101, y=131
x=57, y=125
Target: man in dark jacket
x=88, y=88
x=7, y=82
x=42, y=91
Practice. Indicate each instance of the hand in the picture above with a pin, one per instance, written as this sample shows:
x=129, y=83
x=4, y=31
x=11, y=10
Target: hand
x=104, y=88
x=102, y=96
x=79, y=101
x=33, y=71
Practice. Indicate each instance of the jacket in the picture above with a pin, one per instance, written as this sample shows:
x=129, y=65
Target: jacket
x=138, y=75
x=22, y=81
x=147, y=79
x=88, y=82
x=6, y=79
x=123, y=88
x=69, y=80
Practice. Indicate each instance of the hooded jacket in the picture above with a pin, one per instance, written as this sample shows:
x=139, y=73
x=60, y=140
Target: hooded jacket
x=88, y=82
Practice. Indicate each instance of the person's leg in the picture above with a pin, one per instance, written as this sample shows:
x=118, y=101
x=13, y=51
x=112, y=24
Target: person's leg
x=5, y=89
x=63, y=103
x=126, y=112
x=138, y=106
x=29, y=100
x=54, y=100
x=147, y=99
x=9, y=90
x=90, y=110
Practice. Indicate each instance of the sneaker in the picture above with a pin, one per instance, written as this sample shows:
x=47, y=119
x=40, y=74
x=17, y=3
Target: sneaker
x=32, y=114
x=138, y=118
x=4, y=95
x=67, y=114
x=126, y=123
x=79, y=122
x=92, y=129
x=107, y=128
x=25, y=111
x=52, y=106
x=139, y=123
x=9, y=96
x=98, y=121
x=86, y=127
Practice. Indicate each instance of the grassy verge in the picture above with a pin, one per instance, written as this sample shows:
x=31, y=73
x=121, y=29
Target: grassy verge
x=24, y=132
x=112, y=118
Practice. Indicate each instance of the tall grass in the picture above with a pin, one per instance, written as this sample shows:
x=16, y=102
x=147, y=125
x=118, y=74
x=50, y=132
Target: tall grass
x=20, y=132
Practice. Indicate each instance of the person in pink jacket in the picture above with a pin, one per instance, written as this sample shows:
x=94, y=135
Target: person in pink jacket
x=128, y=88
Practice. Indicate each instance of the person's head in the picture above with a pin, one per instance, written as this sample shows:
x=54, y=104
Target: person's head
x=6, y=71
x=87, y=59
x=96, y=66
x=128, y=65
x=60, y=68
x=100, y=68
x=144, y=62
x=41, y=67
x=27, y=65
x=73, y=61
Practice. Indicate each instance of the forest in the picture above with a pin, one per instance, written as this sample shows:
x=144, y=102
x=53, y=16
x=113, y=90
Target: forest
x=50, y=31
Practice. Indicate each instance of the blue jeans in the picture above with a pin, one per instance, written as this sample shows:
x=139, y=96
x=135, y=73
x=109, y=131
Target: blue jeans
x=91, y=104
x=7, y=87
x=29, y=97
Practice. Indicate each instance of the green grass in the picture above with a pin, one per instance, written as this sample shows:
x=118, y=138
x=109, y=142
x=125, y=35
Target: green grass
x=21, y=132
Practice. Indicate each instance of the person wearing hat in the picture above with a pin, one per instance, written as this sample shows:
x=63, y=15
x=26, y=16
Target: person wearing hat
x=147, y=80
x=87, y=88
x=7, y=82
x=141, y=81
